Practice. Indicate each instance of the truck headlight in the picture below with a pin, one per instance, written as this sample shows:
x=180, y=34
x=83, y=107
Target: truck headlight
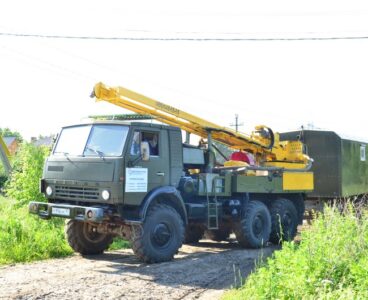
x=105, y=195
x=49, y=191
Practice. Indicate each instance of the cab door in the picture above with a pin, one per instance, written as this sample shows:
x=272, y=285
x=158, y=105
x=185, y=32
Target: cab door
x=143, y=176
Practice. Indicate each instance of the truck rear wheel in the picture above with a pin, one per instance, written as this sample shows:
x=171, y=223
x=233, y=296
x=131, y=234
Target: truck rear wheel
x=253, y=231
x=160, y=236
x=82, y=237
x=193, y=234
x=284, y=217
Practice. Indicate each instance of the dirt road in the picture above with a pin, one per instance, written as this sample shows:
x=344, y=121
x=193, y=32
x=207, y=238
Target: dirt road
x=198, y=272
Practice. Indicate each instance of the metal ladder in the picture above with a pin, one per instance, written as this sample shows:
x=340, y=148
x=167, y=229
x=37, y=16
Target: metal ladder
x=212, y=207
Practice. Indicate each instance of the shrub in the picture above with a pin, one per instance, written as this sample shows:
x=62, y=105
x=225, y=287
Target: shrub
x=119, y=243
x=330, y=262
x=3, y=179
x=4, y=132
x=3, y=176
x=23, y=184
x=25, y=238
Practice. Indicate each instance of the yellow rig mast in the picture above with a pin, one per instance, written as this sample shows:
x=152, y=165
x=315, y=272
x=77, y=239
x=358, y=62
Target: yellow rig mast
x=263, y=143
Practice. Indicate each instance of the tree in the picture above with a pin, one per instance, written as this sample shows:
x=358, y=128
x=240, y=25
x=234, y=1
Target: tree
x=7, y=132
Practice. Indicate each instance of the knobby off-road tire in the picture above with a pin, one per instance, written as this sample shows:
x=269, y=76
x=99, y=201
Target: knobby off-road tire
x=160, y=236
x=300, y=208
x=284, y=217
x=218, y=235
x=85, y=241
x=253, y=231
x=193, y=233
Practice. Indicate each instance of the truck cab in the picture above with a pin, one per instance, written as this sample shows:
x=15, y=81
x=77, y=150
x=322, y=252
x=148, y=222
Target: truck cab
x=105, y=176
x=101, y=164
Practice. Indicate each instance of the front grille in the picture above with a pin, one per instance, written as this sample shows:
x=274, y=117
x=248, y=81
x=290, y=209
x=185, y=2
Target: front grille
x=82, y=193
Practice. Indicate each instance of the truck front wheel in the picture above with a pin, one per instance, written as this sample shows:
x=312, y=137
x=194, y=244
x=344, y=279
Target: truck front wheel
x=84, y=238
x=253, y=231
x=160, y=236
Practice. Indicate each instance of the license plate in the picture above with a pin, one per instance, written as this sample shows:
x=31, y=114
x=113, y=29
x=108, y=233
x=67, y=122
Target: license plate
x=60, y=211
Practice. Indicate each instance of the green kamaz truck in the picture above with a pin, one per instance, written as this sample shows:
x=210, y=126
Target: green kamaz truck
x=141, y=182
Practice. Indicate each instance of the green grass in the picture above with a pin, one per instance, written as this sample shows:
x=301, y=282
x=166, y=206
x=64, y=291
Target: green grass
x=331, y=262
x=25, y=238
x=118, y=243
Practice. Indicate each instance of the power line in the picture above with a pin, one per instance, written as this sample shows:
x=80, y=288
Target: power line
x=189, y=39
x=43, y=64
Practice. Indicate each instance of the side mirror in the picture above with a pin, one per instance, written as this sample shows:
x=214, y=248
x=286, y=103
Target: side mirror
x=145, y=151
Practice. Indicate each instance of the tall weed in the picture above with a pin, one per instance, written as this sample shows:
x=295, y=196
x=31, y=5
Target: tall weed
x=331, y=262
x=26, y=238
x=23, y=184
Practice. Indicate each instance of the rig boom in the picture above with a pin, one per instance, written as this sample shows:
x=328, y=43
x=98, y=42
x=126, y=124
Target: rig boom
x=263, y=142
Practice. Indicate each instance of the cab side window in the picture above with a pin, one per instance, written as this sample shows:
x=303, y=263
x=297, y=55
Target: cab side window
x=144, y=136
x=136, y=143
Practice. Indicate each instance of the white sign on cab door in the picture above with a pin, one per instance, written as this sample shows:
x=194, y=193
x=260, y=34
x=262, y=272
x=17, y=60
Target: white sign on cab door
x=136, y=180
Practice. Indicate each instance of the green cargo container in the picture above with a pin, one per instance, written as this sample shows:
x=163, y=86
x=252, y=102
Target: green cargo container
x=340, y=165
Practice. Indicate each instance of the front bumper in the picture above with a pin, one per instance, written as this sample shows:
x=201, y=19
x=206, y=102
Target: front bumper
x=80, y=213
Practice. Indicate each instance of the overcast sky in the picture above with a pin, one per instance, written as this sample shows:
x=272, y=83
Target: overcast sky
x=45, y=83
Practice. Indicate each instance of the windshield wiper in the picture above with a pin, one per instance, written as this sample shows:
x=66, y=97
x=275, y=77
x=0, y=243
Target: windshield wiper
x=62, y=152
x=66, y=154
x=99, y=153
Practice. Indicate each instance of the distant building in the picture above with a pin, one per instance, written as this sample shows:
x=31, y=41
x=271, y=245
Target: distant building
x=12, y=144
x=43, y=141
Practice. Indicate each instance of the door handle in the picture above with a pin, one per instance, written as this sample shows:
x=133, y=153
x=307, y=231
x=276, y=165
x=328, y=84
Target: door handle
x=160, y=174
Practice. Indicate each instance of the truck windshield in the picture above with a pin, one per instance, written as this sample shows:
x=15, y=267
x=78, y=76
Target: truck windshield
x=92, y=140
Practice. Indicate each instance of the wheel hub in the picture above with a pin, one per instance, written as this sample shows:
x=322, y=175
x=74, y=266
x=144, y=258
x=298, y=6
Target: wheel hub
x=91, y=234
x=161, y=234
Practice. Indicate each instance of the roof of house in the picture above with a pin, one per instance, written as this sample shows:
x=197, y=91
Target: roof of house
x=46, y=141
x=9, y=140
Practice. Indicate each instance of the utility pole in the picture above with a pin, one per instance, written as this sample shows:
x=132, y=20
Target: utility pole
x=237, y=123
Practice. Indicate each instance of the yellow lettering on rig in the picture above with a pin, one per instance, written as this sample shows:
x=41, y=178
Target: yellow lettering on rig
x=167, y=108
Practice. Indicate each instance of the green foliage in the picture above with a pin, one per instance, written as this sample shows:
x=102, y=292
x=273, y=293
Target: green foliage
x=3, y=176
x=26, y=238
x=7, y=132
x=118, y=243
x=23, y=184
x=3, y=179
x=331, y=262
